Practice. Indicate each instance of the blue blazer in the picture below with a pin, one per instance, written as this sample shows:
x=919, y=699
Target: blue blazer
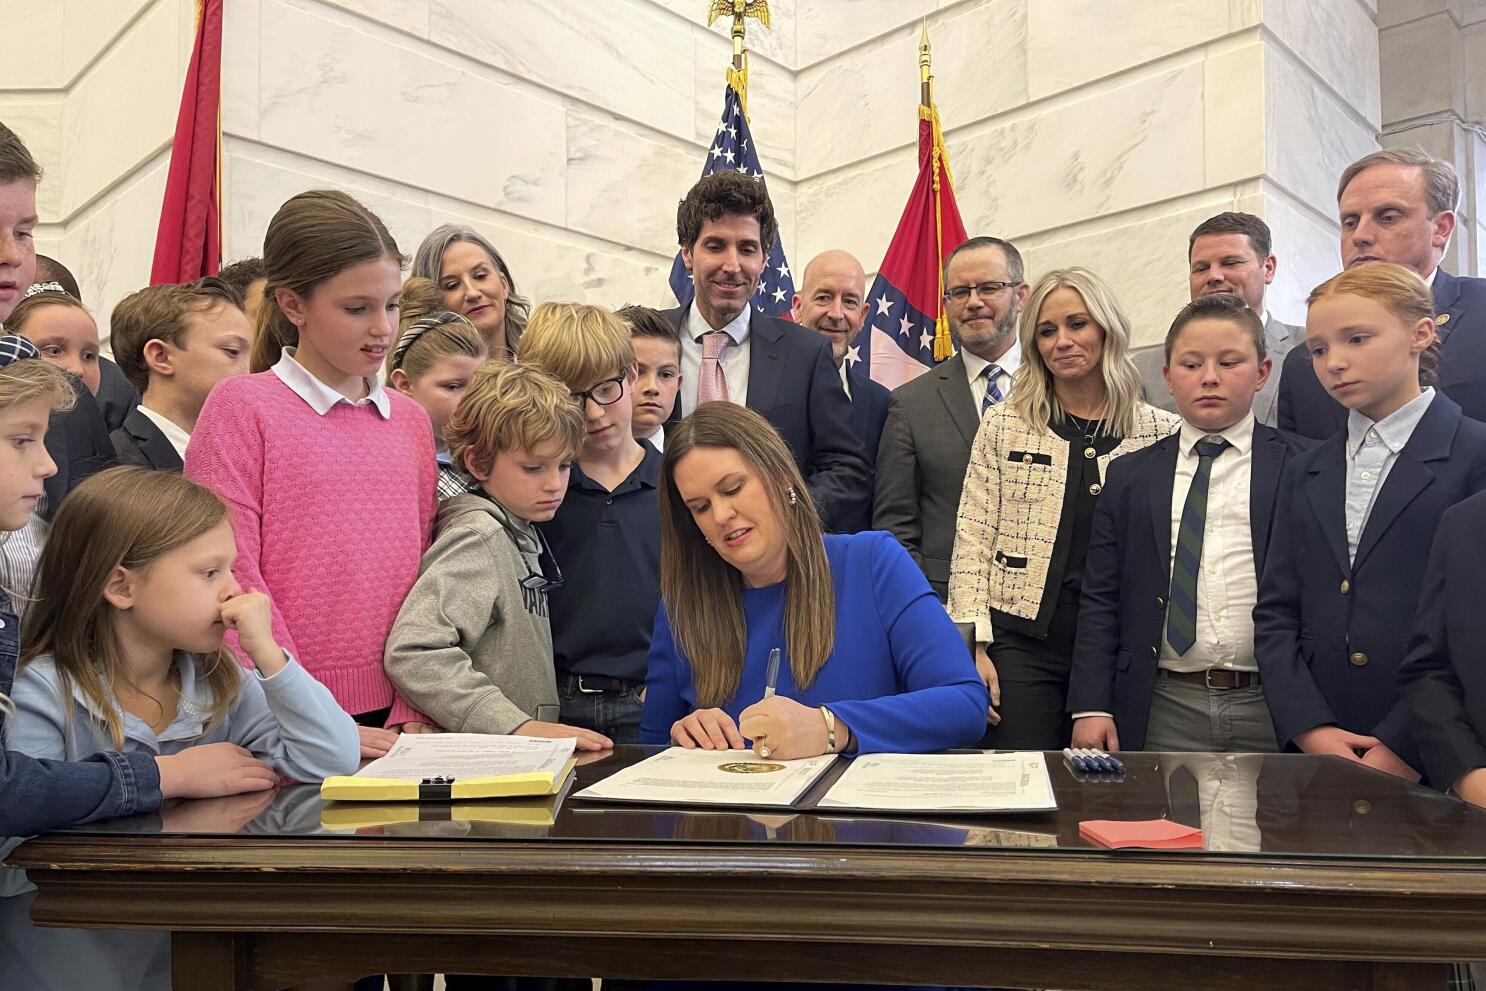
x=1330, y=635
x=1443, y=680
x=869, y=401
x=1128, y=574
x=142, y=444
x=898, y=674
x=1306, y=408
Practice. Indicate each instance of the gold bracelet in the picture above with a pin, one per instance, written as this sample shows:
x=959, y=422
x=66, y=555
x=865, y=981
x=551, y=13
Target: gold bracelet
x=830, y=729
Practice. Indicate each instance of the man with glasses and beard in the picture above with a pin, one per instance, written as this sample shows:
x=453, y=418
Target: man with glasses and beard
x=931, y=421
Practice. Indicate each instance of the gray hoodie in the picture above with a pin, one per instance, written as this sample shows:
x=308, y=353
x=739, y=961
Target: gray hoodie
x=472, y=648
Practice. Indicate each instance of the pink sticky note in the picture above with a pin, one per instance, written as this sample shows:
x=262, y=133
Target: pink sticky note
x=1155, y=834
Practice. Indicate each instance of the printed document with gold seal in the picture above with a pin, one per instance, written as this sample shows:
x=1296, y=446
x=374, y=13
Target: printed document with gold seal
x=980, y=782
x=710, y=777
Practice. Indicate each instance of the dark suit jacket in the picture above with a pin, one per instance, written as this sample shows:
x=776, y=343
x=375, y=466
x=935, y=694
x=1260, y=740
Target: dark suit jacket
x=116, y=397
x=869, y=401
x=139, y=442
x=794, y=384
x=921, y=461
x=1330, y=635
x=1308, y=409
x=1127, y=575
x=1443, y=679
x=78, y=442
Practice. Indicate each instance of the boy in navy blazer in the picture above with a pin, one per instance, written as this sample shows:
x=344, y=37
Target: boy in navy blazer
x=1359, y=512
x=1164, y=658
x=174, y=342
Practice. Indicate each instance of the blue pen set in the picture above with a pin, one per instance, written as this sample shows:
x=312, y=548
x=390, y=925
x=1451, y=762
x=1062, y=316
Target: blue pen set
x=1089, y=761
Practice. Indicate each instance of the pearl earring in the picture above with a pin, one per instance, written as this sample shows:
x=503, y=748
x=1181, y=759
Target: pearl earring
x=792, y=497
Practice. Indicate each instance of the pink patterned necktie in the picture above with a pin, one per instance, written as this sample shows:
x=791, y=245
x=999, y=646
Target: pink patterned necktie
x=713, y=384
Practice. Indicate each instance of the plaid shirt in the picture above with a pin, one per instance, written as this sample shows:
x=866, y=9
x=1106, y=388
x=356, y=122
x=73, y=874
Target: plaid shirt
x=453, y=482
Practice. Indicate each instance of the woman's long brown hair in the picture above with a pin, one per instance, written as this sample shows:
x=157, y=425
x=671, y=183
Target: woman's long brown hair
x=703, y=594
x=128, y=517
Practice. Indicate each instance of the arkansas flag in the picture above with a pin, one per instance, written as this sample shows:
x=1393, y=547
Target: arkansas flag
x=906, y=331
x=189, y=242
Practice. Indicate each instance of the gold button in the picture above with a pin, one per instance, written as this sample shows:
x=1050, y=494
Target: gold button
x=1346, y=586
x=1362, y=806
x=1088, y=452
x=1160, y=602
x=1358, y=659
x=1095, y=489
x=1026, y=459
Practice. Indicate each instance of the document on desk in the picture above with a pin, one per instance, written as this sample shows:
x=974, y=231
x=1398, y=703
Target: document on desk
x=710, y=777
x=447, y=766
x=970, y=783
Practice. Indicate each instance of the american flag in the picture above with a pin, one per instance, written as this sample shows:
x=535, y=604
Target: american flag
x=732, y=148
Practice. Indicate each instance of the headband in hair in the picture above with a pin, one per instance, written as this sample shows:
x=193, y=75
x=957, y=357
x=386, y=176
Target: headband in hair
x=40, y=287
x=14, y=347
x=418, y=328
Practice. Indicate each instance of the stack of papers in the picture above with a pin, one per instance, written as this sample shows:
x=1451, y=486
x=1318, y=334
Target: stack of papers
x=1151, y=834
x=959, y=783
x=711, y=777
x=447, y=766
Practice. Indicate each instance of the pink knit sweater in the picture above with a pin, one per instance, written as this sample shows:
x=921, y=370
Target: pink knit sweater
x=332, y=514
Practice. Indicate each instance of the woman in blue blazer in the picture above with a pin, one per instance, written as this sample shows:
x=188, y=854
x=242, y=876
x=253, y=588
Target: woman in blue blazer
x=870, y=661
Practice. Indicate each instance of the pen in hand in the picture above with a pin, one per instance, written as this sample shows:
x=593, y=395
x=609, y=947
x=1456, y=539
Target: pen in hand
x=771, y=681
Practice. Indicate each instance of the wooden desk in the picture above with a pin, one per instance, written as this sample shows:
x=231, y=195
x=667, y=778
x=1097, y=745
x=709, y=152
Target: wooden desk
x=1337, y=878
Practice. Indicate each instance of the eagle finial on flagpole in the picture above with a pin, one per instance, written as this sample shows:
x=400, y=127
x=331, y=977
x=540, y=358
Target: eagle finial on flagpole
x=738, y=10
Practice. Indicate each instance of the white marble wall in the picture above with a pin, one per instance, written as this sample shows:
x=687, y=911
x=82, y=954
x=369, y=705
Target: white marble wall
x=1094, y=132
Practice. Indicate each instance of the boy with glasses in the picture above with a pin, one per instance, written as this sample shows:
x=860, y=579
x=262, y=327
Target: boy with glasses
x=472, y=641
x=607, y=532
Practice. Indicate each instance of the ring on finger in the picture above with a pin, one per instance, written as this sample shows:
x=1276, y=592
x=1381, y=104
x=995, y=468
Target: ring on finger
x=763, y=751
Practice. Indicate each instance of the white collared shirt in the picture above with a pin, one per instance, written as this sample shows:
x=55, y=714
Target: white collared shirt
x=1227, y=585
x=178, y=438
x=845, y=383
x=322, y=398
x=658, y=439
x=1372, y=449
x=735, y=357
x=1009, y=362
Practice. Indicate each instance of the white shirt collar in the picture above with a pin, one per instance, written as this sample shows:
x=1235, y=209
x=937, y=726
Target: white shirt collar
x=1395, y=429
x=845, y=366
x=1009, y=361
x=737, y=328
x=1429, y=279
x=178, y=438
x=1240, y=435
x=321, y=397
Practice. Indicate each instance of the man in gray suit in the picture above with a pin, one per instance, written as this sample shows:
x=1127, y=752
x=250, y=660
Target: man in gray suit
x=1229, y=253
x=932, y=420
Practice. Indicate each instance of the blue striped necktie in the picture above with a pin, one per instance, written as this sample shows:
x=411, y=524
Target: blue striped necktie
x=1181, y=606
x=993, y=394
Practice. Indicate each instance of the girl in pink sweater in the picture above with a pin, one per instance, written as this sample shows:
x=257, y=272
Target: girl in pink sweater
x=330, y=477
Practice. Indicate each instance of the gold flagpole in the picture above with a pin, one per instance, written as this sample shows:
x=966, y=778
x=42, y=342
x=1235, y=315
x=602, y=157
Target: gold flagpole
x=738, y=10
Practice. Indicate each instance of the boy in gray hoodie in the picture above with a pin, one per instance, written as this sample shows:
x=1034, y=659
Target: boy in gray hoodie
x=472, y=647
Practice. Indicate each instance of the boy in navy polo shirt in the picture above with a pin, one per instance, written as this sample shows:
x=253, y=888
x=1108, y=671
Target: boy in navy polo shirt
x=606, y=535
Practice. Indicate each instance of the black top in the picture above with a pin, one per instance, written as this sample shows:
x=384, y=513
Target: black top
x=1086, y=445
x=608, y=547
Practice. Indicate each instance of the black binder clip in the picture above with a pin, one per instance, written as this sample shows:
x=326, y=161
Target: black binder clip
x=436, y=789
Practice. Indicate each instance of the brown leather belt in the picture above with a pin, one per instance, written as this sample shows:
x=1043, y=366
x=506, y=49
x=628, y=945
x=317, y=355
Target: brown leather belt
x=1217, y=677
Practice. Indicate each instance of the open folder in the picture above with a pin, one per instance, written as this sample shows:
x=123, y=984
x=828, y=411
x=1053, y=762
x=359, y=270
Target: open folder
x=441, y=767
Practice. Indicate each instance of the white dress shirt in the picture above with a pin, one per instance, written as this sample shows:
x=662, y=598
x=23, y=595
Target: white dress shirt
x=178, y=438
x=321, y=397
x=1227, y=584
x=1372, y=449
x=1009, y=362
x=734, y=360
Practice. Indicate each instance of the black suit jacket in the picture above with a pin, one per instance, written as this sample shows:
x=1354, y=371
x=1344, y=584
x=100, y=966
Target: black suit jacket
x=869, y=401
x=1127, y=575
x=139, y=442
x=1308, y=409
x=1443, y=680
x=78, y=442
x=794, y=384
x=921, y=461
x=1330, y=634
x=116, y=397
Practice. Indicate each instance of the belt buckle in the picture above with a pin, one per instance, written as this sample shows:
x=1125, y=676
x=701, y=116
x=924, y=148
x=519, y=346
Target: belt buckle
x=588, y=691
x=1208, y=678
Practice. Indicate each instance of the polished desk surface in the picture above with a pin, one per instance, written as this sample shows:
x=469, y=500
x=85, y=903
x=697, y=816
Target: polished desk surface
x=1318, y=874
x=1286, y=805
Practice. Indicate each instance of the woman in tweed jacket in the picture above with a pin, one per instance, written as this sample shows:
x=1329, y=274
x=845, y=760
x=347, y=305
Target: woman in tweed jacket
x=1035, y=473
